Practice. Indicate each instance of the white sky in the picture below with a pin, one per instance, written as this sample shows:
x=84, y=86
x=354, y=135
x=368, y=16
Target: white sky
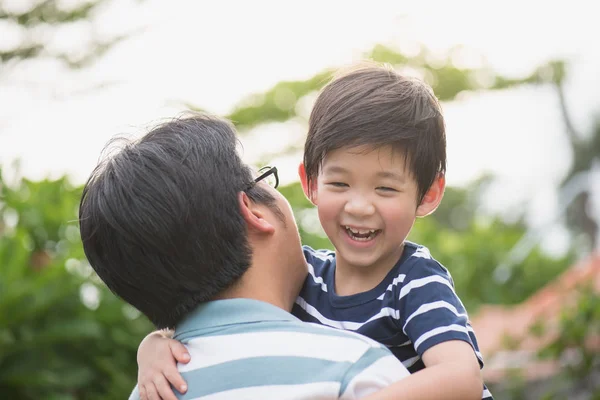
x=213, y=53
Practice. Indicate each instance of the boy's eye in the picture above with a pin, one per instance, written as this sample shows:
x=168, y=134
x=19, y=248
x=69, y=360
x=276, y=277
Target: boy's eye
x=337, y=184
x=386, y=189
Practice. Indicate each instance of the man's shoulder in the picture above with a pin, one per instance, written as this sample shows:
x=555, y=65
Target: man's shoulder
x=287, y=352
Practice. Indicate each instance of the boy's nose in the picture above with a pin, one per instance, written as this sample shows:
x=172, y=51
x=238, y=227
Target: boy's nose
x=359, y=206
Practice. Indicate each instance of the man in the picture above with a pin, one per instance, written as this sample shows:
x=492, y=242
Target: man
x=177, y=226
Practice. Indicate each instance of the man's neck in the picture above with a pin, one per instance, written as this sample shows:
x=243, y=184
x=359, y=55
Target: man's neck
x=267, y=297
x=261, y=284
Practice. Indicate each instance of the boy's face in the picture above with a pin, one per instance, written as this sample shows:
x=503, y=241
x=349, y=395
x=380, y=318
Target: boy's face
x=367, y=204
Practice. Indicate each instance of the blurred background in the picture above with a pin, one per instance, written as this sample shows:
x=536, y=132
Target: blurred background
x=518, y=227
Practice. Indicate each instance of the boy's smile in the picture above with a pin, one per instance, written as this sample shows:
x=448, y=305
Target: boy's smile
x=361, y=234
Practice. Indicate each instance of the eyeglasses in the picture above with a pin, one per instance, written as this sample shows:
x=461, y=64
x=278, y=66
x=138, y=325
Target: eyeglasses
x=269, y=175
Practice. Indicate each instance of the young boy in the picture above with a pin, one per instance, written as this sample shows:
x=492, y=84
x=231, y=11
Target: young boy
x=374, y=160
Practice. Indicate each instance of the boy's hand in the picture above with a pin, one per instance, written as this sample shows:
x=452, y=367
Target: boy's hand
x=157, y=359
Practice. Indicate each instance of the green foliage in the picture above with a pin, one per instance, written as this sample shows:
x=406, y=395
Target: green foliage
x=576, y=345
x=571, y=342
x=446, y=79
x=63, y=335
x=50, y=15
x=472, y=256
x=277, y=104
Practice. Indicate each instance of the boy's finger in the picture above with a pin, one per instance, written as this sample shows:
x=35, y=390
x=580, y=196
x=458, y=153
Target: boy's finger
x=151, y=393
x=175, y=379
x=164, y=389
x=142, y=390
x=179, y=352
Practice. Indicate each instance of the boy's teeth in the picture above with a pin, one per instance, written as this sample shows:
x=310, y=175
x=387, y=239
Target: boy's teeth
x=361, y=234
x=360, y=231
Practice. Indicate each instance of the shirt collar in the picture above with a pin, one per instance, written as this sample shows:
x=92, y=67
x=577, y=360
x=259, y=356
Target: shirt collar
x=230, y=312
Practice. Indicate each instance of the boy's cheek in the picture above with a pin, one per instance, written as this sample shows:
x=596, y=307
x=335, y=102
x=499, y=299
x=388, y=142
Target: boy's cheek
x=328, y=215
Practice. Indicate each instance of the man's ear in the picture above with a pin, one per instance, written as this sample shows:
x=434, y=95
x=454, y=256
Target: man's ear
x=254, y=215
x=312, y=193
x=433, y=197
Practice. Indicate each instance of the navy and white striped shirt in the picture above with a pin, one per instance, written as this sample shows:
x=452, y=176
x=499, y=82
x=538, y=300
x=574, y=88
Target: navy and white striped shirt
x=413, y=309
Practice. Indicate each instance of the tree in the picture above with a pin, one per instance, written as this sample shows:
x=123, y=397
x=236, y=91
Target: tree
x=585, y=150
x=576, y=346
x=63, y=335
x=35, y=23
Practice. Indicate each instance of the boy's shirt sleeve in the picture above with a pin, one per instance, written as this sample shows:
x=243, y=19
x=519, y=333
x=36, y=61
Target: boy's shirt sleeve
x=430, y=310
x=316, y=261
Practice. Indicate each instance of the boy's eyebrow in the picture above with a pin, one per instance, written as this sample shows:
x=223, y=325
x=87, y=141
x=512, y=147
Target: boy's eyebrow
x=336, y=169
x=333, y=169
x=391, y=175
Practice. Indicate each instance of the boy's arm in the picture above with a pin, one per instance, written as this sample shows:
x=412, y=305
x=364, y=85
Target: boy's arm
x=436, y=323
x=451, y=373
x=157, y=358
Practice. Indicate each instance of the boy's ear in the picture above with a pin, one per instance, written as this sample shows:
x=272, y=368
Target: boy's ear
x=433, y=197
x=254, y=215
x=310, y=194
